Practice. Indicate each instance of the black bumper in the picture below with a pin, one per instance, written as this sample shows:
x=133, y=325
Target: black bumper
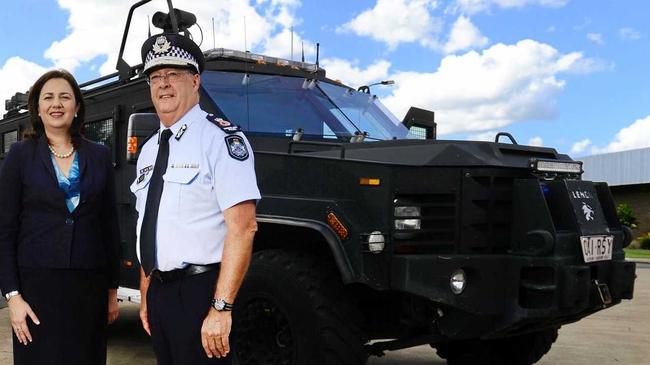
x=506, y=295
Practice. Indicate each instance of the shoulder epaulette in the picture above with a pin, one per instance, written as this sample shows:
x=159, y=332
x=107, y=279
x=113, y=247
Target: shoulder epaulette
x=225, y=125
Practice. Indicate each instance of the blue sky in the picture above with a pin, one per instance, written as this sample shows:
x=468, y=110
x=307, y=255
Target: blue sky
x=569, y=74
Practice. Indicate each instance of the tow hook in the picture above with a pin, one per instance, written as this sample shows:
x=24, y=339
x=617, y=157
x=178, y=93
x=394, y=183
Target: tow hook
x=603, y=292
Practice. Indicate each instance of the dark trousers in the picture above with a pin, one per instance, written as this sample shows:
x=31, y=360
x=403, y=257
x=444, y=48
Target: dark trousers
x=72, y=307
x=176, y=311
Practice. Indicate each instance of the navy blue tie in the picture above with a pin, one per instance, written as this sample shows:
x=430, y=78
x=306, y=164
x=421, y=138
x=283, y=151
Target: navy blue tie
x=150, y=219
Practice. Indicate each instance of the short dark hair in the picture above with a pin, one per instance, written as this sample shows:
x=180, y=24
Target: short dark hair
x=37, y=128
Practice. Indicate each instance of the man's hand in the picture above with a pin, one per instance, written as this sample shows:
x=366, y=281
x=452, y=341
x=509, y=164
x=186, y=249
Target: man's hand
x=144, y=287
x=144, y=316
x=113, y=307
x=18, y=312
x=214, y=333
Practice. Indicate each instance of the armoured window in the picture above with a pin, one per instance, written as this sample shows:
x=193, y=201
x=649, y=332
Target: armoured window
x=100, y=131
x=282, y=104
x=417, y=132
x=9, y=138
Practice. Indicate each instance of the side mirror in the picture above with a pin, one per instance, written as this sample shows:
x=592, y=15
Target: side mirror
x=420, y=123
x=141, y=126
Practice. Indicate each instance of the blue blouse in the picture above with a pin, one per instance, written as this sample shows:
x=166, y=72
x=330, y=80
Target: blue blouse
x=70, y=184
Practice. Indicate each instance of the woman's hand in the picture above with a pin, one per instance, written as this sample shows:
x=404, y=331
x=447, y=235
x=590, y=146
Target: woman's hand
x=113, y=307
x=18, y=312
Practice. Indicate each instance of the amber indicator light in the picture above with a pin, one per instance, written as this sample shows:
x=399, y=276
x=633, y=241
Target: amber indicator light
x=369, y=181
x=132, y=145
x=337, y=226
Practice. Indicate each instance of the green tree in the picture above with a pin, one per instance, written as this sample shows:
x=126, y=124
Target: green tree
x=626, y=215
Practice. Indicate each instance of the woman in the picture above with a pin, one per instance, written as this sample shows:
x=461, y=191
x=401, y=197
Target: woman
x=59, y=240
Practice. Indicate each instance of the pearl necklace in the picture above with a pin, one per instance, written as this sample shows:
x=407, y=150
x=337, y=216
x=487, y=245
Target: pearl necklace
x=60, y=155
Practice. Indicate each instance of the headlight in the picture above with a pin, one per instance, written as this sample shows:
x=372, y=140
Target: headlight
x=407, y=223
x=568, y=167
x=376, y=242
x=458, y=281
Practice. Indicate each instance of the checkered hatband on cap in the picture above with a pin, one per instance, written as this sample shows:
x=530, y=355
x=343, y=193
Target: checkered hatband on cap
x=178, y=54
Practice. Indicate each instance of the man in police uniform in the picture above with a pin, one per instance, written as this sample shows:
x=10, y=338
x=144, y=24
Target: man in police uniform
x=196, y=192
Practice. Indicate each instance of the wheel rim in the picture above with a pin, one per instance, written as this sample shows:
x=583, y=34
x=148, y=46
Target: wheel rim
x=263, y=334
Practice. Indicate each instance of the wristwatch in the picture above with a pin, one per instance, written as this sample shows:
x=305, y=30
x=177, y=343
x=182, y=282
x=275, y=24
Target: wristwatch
x=221, y=305
x=11, y=294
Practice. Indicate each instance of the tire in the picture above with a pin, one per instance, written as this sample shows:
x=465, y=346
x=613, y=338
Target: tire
x=292, y=309
x=518, y=350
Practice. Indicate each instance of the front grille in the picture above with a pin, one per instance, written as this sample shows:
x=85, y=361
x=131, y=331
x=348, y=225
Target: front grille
x=487, y=213
x=437, y=233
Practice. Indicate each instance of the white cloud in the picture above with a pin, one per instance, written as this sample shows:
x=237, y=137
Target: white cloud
x=95, y=30
x=464, y=35
x=629, y=34
x=17, y=75
x=397, y=21
x=596, y=38
x=487, y=136
x=522, y=3
x=280, y=46
x=580, y=146
x=477, y=6
x=488, y=90
x=633, y=136
x=91, y=36
x=350, y=74
x=536, y=141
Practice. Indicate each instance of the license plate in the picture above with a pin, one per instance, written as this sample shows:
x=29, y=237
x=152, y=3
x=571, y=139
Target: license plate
x=597, y=248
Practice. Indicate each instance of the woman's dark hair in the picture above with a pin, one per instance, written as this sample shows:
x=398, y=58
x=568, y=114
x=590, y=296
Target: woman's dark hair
x=37, y=128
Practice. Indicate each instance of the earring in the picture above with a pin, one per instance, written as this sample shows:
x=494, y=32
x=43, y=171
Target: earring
x=75, y=115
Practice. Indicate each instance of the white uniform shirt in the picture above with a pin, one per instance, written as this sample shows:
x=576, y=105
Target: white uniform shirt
x=205, y=175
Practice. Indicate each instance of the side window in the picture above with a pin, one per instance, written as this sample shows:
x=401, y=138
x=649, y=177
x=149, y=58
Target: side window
x=9, y=138
x=417, y=132
x=100, y=131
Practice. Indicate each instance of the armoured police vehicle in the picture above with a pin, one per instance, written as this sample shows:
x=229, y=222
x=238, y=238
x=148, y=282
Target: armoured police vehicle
x=373, y=235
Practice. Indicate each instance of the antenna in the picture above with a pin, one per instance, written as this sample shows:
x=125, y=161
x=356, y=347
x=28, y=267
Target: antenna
x=148, y=26
x=245, y=40
x=317, y=52
x=214, y=42
x=303, y=51
x=292, y=43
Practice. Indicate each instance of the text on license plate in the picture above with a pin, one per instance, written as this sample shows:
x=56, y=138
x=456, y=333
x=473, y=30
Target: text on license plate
x=597, y=248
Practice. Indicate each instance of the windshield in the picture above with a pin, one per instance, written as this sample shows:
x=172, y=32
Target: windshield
x=282, y=105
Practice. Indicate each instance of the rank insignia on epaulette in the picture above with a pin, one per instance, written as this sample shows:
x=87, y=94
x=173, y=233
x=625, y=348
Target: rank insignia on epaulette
x=181, y=132
x=225, y=125
x=237, y=147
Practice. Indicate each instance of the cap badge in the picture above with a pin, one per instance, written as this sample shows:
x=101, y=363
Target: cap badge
x=161, y=45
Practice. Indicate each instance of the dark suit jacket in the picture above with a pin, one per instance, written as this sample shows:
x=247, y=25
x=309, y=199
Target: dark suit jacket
x=36, y=228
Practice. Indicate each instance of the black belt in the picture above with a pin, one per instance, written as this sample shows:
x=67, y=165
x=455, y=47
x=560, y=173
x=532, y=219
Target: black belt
x=167, y=276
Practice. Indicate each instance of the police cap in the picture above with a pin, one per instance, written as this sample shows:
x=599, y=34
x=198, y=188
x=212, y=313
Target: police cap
x=169, y=49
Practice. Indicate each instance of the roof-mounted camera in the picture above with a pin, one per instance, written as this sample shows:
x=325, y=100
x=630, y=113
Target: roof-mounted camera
x=164, y=21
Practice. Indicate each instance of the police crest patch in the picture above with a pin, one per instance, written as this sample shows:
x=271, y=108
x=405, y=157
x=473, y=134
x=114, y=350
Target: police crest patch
x=237, y=147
